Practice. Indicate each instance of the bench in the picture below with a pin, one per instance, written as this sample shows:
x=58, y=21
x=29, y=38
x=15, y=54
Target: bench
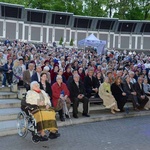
x=94, y=103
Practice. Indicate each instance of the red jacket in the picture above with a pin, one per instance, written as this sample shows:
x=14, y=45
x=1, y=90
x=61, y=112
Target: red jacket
x=56, y=90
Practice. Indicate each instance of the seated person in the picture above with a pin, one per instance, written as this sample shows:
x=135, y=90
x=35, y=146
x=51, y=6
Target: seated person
x=119, y=94
x=7, y=74
x=45, y=85
x=146, y=88
x=60, y=72
x=107, y=97
x=57, y=96
x=27, y=76
x=90, y=84
x=77, y=94
x=44, y=115
x=36, y=75
x=142, y=98
x=70, y=79
x=131, y=93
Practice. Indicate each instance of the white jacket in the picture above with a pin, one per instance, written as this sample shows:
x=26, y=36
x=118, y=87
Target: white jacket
x=33, y=97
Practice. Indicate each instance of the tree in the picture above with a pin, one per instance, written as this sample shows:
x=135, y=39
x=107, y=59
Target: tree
x=61, y=41
x=71, y=42
x=145, y=7
x=75, y=6
x=95, y=8
x=132, y=9
x=122, y=9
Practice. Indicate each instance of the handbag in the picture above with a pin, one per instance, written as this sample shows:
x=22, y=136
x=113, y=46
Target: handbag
x=14, y=88
x=59, y=105
x=17, y=76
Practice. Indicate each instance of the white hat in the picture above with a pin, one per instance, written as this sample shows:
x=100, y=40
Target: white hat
x=46, y=68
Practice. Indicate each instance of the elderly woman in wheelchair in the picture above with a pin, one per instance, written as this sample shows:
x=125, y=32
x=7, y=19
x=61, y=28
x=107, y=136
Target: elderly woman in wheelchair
x=37, y=116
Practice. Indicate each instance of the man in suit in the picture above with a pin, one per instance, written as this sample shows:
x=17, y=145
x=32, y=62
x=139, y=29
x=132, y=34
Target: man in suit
x=142, y=98
x=130, y=92
x=90, y=83
x=36, y=75
x=70, y=79
x=77, y=94
x=27, y=76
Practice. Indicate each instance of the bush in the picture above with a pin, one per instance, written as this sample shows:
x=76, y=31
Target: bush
x=61, y=41
x=71, y=42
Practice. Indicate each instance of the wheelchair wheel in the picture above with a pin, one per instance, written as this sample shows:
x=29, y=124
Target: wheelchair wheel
x=22, y=124
x=35, y=139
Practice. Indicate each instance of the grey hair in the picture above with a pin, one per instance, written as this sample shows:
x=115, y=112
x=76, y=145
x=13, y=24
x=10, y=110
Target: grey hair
x=106, y=78
x=33, y=83
x=58, y=77
x=131, y=72
x=75, y=75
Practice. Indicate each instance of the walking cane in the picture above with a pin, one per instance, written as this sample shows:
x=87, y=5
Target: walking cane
x=65, y=109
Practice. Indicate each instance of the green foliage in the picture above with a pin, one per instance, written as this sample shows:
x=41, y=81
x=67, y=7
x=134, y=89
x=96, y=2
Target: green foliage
x=61, y=41
x=122, y=9
x=95, y=8
x=71, y=42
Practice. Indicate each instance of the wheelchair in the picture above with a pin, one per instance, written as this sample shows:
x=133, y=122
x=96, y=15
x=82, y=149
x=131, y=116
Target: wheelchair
x=27, y=123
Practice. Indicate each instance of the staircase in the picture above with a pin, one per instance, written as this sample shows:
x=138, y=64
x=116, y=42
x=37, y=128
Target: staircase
x=9, y=108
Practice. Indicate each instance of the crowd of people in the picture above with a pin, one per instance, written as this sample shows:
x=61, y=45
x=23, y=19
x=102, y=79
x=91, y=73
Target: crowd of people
x=76, y=75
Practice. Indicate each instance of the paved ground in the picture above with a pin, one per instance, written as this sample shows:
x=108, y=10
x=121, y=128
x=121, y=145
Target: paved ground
x=121, y=134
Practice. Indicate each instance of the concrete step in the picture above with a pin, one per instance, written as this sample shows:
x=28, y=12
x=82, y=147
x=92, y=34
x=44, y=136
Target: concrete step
x=93, y=107
x=10, y=127
x=5, y=89
x=7, y=95
x=9, y=113
x=10, y=103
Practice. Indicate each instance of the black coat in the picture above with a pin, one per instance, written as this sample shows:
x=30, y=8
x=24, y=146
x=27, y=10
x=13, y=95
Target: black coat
x=139, y=91
x=48, y=89
x=99, y=82
x=75, y=90
x=90, y=84
x=117, y=92
x=128, y=89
